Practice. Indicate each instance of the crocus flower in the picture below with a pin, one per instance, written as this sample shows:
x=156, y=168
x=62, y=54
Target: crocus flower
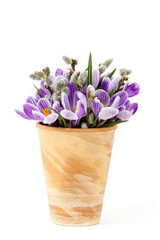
x=41, y=111
x=75, y=105
x=132, y=89
x=108, y=85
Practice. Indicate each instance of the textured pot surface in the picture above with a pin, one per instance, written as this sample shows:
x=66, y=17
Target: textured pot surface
x=76, y=163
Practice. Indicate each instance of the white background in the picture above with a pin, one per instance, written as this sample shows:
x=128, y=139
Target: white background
x=37, y=33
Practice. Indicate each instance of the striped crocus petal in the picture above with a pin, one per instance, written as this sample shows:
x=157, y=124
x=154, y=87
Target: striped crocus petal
x=116, y=102
x=96, y=106
x=102, y=96
x=65, y=101
x=107, y=113
x=133, y=108
x=127, y=105
x=132, y=89
x=105, y=83
x=22, y=114
x=58, y=72
x=123, y=97
x=72, y=89
x=68, y=114
x=56, y=106
x=80, y=110
x=124, y=115
x=38, y=116
x=51, y=118
x=31, y=100
x=44, y=104
x=83, y=99
x=95, y=77
x=114, y=84
x=28, y=109
x=47, y=92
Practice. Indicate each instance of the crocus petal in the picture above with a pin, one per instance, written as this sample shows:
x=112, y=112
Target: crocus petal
x=47, y=92
x=97, y=106
x=65, y=101
x=102, y=96
x=51, y=118
x=58, y=72
x=81, y=110
x=124, y=115
x=37, y=97
x=28, y=108
x=133, y=108
x=31, y=100
x=22, y=114
x=83, y=99
x=95, y=77
x=114, y=84
x=56, y=106
x=68, y=114
x=123, y=97
x=127, y=104
x=105, y=83
x=44, y=103
x=72, y=89
x=107, y=113
x=132, y=89
x=116, y=102
x=121, y=108
x=38, y=116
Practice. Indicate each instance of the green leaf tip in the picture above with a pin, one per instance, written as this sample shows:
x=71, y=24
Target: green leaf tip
x=90, y=69
x=39, y=93
x=111, y=74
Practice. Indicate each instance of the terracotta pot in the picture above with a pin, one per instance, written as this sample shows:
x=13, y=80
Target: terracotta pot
x=76, y=163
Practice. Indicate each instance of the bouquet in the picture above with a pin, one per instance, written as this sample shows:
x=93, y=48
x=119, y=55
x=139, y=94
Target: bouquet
x=91, y=98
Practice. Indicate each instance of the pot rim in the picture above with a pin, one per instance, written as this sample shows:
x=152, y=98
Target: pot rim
x=84, y=130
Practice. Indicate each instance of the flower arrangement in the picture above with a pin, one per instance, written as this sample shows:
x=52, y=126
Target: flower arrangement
x=81, y=99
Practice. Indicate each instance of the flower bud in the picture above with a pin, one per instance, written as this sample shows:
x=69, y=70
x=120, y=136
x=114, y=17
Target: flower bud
x=34, y=77
x=91, y=118
x=107, y=62
x=91, y=91
x=66, y=90
x=57, y=96
x=122, y=71
x=67, y=60
x=46, y=70
x=90, y=102
x=49, y=81
x=74, y=76
x=102, y=69
x=61, y=84
x=39, y=74
x=82, y=79
x=84, y=125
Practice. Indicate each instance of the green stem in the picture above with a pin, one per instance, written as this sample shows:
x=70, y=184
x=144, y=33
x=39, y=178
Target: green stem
x=64, y=122
x=94, y=123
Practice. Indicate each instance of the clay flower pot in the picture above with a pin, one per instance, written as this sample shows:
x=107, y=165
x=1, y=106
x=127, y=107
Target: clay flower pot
x=76, y=163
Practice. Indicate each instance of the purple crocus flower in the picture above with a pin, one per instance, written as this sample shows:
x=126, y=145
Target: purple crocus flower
x=45, y=93
x=104, y=113
x=58, y=72
x=108, y=85
x=78, y=108
x=39, y=111
x=132, y=89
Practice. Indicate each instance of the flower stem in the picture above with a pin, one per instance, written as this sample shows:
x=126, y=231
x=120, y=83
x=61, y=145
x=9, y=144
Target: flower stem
x=94, y=123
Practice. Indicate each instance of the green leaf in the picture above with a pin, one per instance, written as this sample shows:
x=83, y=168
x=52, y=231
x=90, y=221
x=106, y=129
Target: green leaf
x=39, y=93
x=111, y=74
x=94, y=123
x=113, y=123
x=111, y=92
x=100, y=124
x=64, y=122
x=90, y=69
